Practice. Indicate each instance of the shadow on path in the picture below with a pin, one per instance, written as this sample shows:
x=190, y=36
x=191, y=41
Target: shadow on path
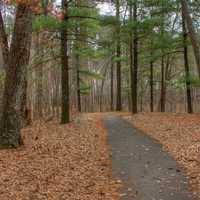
x=147, y=172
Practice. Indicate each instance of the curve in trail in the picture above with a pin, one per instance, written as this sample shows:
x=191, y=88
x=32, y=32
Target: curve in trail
x=147, y=172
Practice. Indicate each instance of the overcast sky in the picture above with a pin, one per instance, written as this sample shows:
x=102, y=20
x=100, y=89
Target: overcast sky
x=106, y=8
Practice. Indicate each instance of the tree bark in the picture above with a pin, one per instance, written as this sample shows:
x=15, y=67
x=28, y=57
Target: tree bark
x=65, y=109
x=135, y=62
x=162, y=93
x=192, y=33
x=101, y=89
x=3, y=41
x=187, y=69
x=111, y=86
x=39, y=78
x=77, y=65
x=151, y=87
x=119, y=100
x=134, y=59
x=16, y=79
x=131, y=56
x=78, y=84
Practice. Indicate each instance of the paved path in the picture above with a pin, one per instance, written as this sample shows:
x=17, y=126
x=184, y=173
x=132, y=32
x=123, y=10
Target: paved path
x=148, y=173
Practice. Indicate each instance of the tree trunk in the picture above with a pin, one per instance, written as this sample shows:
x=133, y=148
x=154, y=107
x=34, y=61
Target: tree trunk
x=65, y=109
x=151, y=87
x=131, y=57
x=135, y=62
x=15, y=83
x=119, y=100
x=78, y=84
x=192, y=34
x=77, y=63
x=162, y=93
x=111, y=86
x=187, y=70
x=3, y=41
x=101, y=90
x=134, y=59
x=39, y=78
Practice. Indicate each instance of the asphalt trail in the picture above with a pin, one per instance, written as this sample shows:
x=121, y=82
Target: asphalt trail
x=147, y=172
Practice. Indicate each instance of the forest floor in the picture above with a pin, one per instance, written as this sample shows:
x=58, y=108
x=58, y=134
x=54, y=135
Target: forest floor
x=72, y=162
x=180, y=136
x=69, y=162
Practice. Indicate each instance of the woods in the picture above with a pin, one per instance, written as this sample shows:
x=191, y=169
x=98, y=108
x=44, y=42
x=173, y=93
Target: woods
x=69, y=67
x=142, y=35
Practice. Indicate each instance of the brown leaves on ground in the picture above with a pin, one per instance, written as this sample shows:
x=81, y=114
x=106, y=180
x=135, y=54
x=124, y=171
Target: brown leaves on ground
x=69, y=162
x=180, y=135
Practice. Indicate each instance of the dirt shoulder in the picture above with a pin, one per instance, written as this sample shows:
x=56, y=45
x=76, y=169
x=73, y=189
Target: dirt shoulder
x=180, y=136
x=69, y=162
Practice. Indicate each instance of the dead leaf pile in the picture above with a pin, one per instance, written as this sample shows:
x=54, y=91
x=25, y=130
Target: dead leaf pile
x=180, y=136
x=69, y=162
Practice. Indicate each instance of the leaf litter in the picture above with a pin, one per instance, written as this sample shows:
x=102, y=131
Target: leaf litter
x=180, y=136
x=59, y=162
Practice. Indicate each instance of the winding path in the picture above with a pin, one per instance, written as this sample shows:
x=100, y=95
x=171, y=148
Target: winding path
x=148, y=173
